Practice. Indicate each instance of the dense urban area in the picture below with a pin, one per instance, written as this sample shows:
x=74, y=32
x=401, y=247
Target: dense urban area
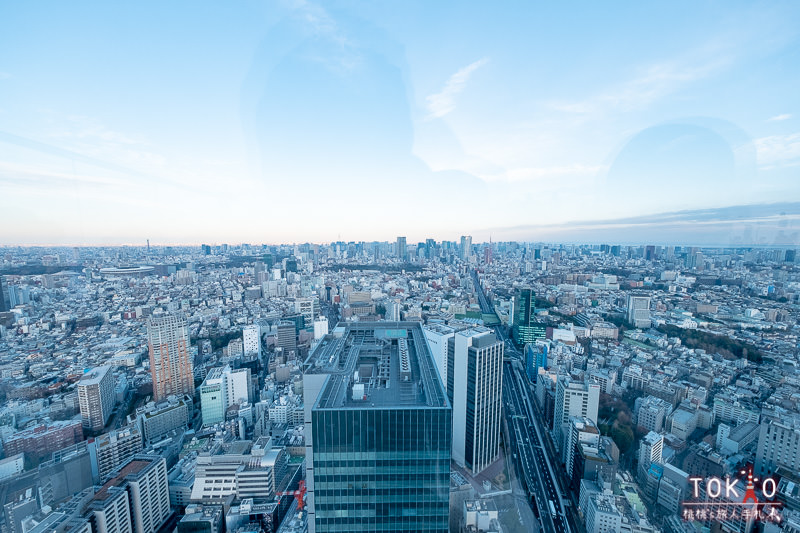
x=393, y=386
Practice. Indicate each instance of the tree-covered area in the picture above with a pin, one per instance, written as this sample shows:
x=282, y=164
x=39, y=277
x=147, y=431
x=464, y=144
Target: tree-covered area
x=390, y=269
x=219, y=341
x=713, y=343
x=38, y=270
x=615, y=419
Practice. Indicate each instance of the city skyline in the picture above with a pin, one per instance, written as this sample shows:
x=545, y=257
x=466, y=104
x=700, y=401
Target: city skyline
x=217, y=125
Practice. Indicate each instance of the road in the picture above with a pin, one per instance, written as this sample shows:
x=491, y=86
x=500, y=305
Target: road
x=526, y=435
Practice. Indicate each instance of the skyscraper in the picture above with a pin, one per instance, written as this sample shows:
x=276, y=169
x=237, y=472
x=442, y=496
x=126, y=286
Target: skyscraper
x=96, y=397
x=379, y=427
x=5, y=301
x=474, y=387
x=526, y=329
x=402, y=249
x=171, y=363
x=465, y=250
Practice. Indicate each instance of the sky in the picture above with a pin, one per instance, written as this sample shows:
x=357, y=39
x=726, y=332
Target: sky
x=296, y=121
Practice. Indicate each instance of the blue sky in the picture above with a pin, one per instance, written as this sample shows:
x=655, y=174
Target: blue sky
x=299, y=121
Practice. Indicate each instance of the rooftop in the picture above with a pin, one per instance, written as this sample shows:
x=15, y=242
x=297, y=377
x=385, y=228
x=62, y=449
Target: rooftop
x=384, y=364
x=95, y=376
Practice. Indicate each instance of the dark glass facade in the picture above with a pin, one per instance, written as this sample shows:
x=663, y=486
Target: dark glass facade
x=526, y=329
x=382, y=469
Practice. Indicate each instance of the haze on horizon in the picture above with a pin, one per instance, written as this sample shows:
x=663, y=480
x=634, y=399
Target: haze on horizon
x=297, y=121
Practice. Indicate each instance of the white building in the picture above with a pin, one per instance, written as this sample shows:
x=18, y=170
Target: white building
x=475, y=360
x=581, y=431
x=437, y=337
x=320, y=328
x=251, y=339
x=222, y=388
x=11, y=466
x=778, y=443
x=96, y=397
x=638, y=311
x=573, y=398
x=651, y=412
x=650, y=450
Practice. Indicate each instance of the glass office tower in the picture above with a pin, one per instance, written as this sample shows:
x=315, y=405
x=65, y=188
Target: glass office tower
x=380, y=432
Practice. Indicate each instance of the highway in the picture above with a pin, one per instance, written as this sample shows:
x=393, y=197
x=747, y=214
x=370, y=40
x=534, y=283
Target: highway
x=526, y=435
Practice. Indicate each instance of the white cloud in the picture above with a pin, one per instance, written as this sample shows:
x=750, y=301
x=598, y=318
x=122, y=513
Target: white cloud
x=649, y=85
x=443, y=102
x=778, y=118
x=778, y=150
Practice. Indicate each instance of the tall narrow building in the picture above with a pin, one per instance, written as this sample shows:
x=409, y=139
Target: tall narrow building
x=171, y=362
x=475, y=389
x=96, y=397
x=526, y=329
x=378, y=432
x=402, y=249
x=5, y=300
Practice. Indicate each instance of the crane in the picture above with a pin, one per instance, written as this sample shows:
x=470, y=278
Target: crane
x=298, y=494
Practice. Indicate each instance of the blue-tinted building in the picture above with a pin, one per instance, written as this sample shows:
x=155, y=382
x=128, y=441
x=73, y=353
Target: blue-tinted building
x=378, y=422
x=535, y=358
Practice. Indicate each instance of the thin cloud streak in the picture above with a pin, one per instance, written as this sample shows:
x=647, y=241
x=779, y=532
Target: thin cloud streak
x=443, y=102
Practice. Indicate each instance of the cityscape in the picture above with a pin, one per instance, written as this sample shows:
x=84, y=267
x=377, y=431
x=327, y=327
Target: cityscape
x=395, y=386
x=306, y=266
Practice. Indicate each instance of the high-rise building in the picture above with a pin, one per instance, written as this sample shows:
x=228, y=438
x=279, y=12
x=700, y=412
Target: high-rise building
x=144, y=480
x=222, y=388
x=171, y=362
x=437, y=336
x=5, y=301
x=320, y=327
x=402, y=249
x=526, y=329
x=778, y=442
x=474, y=387
x=465, y=249
x=113, y=449
x=638, y=311
x=378, y=432
x=110, y=511
x=309, y=308
x=582, y=430
x=430, y=248
x=535, y=358
x=573, y=398
x=287, y=338
x=251, y=340
x=650, y=449
x=96, y=397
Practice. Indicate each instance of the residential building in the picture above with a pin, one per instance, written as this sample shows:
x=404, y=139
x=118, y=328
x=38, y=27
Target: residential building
x=171, y=364
x=96, y=397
